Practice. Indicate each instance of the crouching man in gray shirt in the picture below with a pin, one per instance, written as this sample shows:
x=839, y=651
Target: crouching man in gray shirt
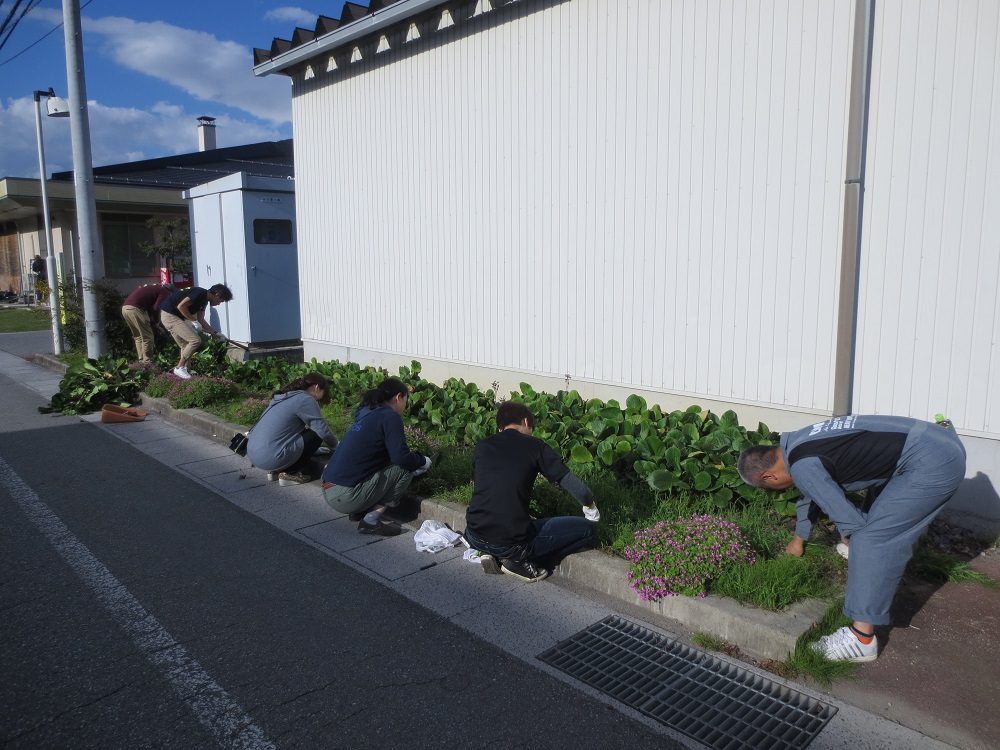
x=917, y=464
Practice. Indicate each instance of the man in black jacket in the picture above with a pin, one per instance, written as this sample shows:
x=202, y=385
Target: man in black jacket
x=498, y=523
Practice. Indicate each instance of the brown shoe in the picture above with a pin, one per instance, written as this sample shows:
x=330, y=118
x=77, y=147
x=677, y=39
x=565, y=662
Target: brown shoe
x=288, y=478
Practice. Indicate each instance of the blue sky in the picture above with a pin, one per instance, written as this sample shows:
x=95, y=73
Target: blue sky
x=152, y=68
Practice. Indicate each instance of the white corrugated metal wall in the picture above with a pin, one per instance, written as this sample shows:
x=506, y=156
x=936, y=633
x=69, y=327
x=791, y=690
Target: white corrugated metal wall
x=929, y=333
x=646, y=193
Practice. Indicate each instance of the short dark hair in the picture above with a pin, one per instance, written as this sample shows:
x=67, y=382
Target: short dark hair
x=514, y=412
x=754, y=461
x=222, y=290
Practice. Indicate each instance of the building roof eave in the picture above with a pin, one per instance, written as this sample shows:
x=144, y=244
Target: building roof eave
x=345, y=34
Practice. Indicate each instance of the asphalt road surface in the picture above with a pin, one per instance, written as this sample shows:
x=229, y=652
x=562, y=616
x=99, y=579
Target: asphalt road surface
x=140, y=609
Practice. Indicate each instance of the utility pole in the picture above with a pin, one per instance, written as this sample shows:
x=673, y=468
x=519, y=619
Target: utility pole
x=91, y=253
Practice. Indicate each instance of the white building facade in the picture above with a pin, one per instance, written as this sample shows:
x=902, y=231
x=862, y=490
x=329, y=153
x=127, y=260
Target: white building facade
x=789, y=209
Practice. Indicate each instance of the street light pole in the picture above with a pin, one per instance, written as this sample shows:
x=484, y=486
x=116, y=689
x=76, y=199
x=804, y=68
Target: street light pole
x=91, y=255
x=50, y=260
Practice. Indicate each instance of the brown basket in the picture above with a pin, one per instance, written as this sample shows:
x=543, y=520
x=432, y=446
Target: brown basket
x=115, y=413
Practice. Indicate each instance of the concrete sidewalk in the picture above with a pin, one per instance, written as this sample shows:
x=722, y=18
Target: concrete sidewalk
x=935, y=678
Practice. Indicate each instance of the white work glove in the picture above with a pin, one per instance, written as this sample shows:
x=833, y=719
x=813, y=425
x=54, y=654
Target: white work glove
x=195, y=325
x=591, y=513
x=423, y=469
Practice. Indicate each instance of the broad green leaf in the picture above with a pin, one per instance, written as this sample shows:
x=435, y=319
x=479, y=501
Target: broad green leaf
x=702, y=480
x=635, y=403
x=661, y=480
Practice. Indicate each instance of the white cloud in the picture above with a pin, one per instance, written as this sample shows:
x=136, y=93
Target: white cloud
x=117, y=135
x=197, y=62
x=298, y=16
x=45, y=15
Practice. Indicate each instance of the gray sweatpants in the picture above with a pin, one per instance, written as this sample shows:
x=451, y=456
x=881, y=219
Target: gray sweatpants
x=930, y=469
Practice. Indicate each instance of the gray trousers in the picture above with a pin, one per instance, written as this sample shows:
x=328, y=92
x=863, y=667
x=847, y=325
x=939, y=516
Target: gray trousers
x=930, y=469
x=385, y=487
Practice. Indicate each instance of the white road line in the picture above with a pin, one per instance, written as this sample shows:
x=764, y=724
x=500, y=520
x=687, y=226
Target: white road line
x=211, y=705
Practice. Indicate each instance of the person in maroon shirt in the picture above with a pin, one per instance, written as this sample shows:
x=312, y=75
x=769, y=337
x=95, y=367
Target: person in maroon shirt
x=140, y=310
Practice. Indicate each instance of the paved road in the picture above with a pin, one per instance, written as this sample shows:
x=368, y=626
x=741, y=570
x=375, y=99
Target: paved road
x=110, y=558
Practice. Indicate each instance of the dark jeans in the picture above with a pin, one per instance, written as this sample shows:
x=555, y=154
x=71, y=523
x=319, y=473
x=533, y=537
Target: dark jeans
x=311, y=443
x=554, y=539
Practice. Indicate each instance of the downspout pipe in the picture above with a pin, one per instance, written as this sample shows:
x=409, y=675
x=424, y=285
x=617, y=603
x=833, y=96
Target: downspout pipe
x=849, y=289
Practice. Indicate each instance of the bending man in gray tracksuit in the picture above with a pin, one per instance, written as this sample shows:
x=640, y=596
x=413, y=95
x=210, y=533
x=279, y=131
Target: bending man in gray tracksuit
x=917, y=464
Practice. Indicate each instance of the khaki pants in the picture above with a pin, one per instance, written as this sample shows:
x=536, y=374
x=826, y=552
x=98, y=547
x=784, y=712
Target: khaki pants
x=137, y=321
x=181, y=331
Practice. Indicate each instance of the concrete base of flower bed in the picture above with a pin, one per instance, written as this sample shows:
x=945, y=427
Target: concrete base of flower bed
x=195, y=420
x=758, y=633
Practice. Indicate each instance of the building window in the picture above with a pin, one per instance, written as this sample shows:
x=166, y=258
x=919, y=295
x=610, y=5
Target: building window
x=272, y=231
x=122, y=236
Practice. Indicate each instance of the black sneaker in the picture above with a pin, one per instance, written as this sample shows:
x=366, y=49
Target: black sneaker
x=489, y=564
x=357, y=516
x=380, y=529
x=523, y=569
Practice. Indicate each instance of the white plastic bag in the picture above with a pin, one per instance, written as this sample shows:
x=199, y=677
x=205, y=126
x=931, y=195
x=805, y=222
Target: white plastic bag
x=434, y=536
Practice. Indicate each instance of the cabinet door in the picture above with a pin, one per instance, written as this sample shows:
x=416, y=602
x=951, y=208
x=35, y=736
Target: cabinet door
x=272, y=267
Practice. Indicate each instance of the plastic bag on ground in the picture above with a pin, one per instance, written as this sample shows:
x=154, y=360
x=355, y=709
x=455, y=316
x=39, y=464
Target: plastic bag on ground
x=434, y=536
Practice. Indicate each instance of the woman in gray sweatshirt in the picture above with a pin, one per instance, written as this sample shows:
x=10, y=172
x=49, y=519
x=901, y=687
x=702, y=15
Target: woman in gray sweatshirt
x=291, y=430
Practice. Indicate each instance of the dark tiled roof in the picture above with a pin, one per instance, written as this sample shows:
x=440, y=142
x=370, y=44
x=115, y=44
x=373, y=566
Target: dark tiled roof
x=268, y=159
x=324, y=25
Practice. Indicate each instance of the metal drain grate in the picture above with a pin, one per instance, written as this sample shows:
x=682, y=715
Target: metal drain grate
x=709, y=700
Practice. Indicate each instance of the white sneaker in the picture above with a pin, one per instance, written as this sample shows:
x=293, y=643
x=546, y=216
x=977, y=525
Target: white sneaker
x=182, y=373
x=843, y=645
x=272, y=476
x=843, y=550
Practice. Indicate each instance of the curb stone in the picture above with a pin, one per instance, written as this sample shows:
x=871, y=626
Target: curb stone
x=759, y=633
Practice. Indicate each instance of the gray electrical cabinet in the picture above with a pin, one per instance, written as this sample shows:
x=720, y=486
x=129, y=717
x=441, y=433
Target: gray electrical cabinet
x=243, y=236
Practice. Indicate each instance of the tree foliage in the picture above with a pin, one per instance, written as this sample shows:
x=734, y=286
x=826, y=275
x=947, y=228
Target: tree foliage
x=171, y=241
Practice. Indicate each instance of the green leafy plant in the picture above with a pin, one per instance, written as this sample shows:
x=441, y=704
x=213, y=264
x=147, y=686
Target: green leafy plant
x=681, y=556
x=88, y=385
x=109, y=301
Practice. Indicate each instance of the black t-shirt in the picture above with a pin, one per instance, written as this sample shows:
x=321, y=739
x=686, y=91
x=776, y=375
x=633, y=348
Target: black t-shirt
x=199, y=301
x=505, y=467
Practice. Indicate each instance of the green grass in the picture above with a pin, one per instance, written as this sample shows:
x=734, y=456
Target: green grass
x=775, y=583
x=14, y=320
x=710, y=642
x=805, y=661
x=939, y=567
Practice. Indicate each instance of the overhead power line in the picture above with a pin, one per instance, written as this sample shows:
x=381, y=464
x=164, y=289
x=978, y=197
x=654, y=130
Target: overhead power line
x=31, y=4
